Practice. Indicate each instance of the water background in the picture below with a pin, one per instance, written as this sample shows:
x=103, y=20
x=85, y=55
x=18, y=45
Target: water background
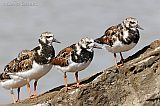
x=22, y=22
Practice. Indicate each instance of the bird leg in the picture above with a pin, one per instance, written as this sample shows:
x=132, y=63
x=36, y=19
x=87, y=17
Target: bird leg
x=18, y=90
x=29, y=90
x=115, y=60
x=65, y=82
x=122, y=59
x=77, y=81
x=35, y=88
x=13, y=96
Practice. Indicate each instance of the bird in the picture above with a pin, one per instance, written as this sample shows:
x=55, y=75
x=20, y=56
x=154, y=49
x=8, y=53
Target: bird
x=30, y=65
x=40, y=64
x=75, y=58
x=121, y=38
x=15, y=65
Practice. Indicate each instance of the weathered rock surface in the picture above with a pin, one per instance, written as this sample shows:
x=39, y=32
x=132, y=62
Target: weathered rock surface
x=137, y=83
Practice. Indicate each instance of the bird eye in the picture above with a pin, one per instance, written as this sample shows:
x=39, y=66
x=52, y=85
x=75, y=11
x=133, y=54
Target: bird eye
x=88, y=42
x=48, y=36
x=132, y=22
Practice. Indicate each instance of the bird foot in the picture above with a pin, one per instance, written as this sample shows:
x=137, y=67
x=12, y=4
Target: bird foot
x=67, y=88
x=122, y=61
x=77, y=85
x=32, y=96
x=119, y=65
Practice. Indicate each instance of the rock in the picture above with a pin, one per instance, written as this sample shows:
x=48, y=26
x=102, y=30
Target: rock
x=137, y=83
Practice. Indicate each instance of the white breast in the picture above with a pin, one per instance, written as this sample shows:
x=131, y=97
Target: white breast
x=13, y=83
x=36, y=72
x=74, y=67
x=119, y=47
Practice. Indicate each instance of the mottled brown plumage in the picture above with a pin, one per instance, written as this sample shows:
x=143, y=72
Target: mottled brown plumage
x=108, y=38
x=12, y=66
x=122, y=37
x=75, y=58
x=23, y=62
x=26, y=59
x=25, y=54
x=23, y=69
x=62, y=58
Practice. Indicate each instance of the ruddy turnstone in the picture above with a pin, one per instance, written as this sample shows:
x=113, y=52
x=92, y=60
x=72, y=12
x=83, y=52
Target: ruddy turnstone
x=31, y=64
x=40, y=64
x=121, y=38
x=75, y=58
x=18, y=64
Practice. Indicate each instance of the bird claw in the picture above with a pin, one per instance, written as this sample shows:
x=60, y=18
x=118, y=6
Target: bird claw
x=67, y=88
x=77, y=85
x=119, y=65
x=32, y=96
x=17, y=100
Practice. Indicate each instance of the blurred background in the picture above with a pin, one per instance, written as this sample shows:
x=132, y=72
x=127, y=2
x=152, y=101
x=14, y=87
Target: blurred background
x=22, y=22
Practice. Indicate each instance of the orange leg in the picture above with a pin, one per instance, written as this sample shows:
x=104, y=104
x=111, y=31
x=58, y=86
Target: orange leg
x=35, y=90
x=65, y=82
x=77, y=81
x=29, y=89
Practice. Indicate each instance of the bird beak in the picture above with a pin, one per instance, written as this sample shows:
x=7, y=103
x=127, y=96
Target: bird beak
x=140, y=27
x=55, y=40
x=99, y=40
x=96, y=46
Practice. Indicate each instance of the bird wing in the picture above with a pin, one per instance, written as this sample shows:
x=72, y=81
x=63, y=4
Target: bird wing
x=63, y=56
x=23, y=62
x=109, y=36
